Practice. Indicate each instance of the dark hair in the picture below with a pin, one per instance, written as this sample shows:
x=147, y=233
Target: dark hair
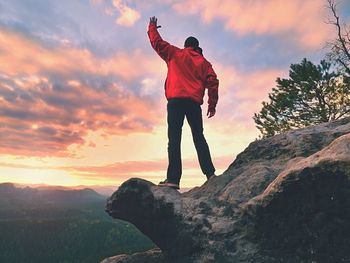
x=193, y=42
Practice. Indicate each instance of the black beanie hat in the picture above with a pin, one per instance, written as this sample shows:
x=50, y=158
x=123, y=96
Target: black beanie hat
x=192, y=42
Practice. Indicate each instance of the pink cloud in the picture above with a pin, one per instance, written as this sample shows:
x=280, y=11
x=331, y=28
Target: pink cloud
x=44, y=118
x=299, y=19
x=241, y=93
x=51, y=116
x=28, y=56
x=128, y=16
x=123, y=170
x=43, y=115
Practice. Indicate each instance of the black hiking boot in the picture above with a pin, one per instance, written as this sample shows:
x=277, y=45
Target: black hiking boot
x=210, y=176
x=167, y=183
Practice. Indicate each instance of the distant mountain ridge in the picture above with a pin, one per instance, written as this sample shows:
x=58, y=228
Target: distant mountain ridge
x=52, y=193
x=27, y=202
x=105, y=190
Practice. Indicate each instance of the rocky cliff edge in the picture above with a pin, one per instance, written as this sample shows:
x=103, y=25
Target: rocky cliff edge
x=283, y=199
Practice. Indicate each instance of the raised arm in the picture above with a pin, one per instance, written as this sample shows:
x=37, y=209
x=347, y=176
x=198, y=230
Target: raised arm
x=163, y=48
x=212, y=84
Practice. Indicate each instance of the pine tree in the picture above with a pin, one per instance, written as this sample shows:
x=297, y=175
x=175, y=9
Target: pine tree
x=311, y=95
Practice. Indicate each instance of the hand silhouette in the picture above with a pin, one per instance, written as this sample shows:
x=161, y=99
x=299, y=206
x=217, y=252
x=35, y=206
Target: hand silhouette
x=211, y=113
x=153, y=20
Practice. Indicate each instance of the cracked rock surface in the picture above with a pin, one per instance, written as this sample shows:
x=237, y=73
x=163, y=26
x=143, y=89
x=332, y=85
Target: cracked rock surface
x=283, y=199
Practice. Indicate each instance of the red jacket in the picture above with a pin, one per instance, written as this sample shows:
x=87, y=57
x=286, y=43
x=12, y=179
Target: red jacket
x=189, y=73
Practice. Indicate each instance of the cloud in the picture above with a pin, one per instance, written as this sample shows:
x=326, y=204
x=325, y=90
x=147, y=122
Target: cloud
x=299, y=21
x=242, y=92
x=120, y=171
x=56, y=95
x=149, y=170
x=96, y=1
x=24, y=55
x=127, y=15
x=40, y=116
x=51, y=97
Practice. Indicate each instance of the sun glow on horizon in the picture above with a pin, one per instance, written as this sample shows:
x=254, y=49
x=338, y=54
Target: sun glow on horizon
x=39, y=176
x=82, y=100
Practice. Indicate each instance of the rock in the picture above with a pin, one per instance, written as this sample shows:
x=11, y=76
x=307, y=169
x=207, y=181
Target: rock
x=150, y=256
x=284, y=199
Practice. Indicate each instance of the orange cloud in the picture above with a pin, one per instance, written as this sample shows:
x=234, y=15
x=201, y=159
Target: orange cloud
x=28, y=56
x=50, y=97
x=120, y=170
x=44, y=118
x=242, y=92
x=299, y=19
x=128, y=16
x=134, y=167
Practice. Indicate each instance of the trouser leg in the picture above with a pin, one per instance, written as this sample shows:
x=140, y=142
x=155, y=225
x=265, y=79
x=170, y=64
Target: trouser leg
x=175, y=120
x=194, y=118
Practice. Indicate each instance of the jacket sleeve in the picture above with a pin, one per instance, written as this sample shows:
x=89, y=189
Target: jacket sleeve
x=212, y=84
x=163, y=48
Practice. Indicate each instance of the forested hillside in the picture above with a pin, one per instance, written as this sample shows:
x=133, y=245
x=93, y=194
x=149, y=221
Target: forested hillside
x=61, y=226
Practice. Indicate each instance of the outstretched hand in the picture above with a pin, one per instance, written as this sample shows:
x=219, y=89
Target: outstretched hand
x=211, y=113
x=154, y=20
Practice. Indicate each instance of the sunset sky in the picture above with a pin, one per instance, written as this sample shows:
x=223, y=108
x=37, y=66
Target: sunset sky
x=81, y=90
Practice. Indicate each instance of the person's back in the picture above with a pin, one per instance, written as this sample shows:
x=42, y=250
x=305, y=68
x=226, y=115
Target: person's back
x=189, y=74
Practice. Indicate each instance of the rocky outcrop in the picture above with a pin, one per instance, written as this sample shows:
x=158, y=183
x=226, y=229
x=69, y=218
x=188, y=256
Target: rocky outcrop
x=284, y=199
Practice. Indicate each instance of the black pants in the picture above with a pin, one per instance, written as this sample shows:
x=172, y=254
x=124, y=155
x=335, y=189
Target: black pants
x=177, y=110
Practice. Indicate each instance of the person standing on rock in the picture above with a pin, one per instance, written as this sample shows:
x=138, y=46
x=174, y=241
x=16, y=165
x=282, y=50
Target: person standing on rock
x=189, y=74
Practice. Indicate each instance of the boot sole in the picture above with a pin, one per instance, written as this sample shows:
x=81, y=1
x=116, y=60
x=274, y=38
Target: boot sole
x=174, y=186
